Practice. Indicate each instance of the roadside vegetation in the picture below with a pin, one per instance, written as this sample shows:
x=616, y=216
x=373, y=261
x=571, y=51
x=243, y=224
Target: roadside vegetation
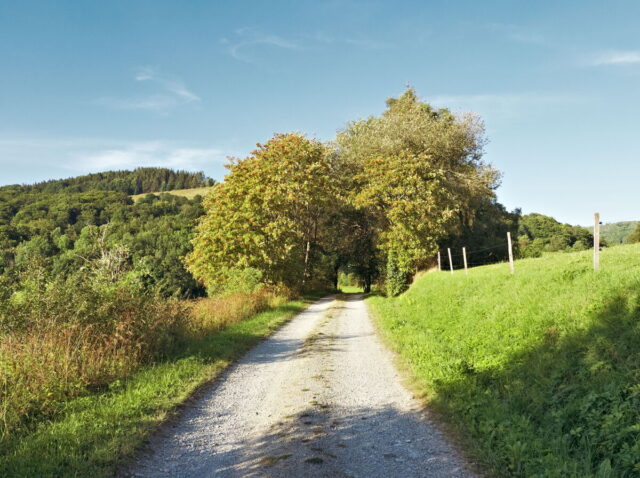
x=93, y=426
x=538, y=370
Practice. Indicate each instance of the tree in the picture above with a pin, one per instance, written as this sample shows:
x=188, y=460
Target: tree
x=634, y=236
x=538, y=233
x=418, y=172
x=269, y=214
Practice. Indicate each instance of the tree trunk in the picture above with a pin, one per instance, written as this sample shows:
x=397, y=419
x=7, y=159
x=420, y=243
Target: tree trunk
x=306, y=262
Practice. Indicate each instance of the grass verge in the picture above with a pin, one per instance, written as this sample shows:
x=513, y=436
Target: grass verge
x=94, y=434
x=188, y=193
x=538, y=371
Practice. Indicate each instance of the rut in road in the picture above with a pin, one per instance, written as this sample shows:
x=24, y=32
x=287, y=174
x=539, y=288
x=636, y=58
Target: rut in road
x=318, y=398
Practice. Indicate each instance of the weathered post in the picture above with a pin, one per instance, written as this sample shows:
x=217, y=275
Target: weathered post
x=450, y=261
x=464, y=256
x=439, y=262
x=596, y=242
x=510, y=252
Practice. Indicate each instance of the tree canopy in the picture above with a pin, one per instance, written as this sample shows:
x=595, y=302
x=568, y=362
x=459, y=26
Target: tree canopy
x=376, y=200
x=268, y=215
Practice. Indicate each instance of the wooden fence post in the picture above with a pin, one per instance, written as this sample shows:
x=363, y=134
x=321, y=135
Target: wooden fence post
x=510, y=251
x=596, y=242
x=439, y=262
x=464, y=255
x=450, y=261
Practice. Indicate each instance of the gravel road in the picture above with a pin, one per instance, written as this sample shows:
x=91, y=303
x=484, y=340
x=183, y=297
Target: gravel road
x=320, y=397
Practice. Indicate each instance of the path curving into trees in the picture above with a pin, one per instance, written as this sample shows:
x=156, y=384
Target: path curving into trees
x=318, y=398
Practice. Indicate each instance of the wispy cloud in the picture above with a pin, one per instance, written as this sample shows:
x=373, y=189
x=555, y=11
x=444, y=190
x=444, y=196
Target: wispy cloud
x=96, y=154
x=242, y=47
x=171, y=85
x=172, y=92
x=155, y=153
x=624, y=57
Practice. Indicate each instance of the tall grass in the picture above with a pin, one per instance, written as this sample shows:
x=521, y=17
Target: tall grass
x=539, y=371
x=70, y=339
x=94, y=434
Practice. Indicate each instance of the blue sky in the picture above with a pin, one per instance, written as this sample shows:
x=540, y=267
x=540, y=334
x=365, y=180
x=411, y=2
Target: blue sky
x=93, y=85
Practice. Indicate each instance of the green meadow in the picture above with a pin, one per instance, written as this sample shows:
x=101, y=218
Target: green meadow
x=538, y=373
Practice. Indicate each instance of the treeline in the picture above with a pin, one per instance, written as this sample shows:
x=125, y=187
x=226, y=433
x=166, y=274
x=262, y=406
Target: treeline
x=620, y=232
x=376, y=201
x=59, y=233
x=538, y=233
x=138, y=181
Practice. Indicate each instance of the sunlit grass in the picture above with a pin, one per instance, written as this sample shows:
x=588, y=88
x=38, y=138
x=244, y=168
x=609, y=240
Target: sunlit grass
x=350, y=289
x=540, y=370
x=91, y=435
x=187, y=193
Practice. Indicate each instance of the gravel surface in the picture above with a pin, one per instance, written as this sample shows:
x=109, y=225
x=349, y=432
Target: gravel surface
x=318, y=398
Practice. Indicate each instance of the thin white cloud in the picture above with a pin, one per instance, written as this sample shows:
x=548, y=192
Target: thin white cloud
x=172, y=85
x=243, y=47
x=173, y=92
x=156, y=154
x=83, y=155
x=627, y=57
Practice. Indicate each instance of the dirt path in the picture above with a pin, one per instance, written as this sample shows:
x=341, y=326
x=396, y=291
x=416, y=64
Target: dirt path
x=319, y=398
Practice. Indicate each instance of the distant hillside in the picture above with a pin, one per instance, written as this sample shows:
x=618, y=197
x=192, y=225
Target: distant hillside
x=617, y=232
x=138, y=181
x=56, y=225
x=538, y=233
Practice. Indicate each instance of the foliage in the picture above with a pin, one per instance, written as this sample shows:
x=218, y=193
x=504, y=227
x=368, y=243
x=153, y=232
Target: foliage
x=95, y=434
x=485, y=236
x=617, y=232
x=538, y=233
x=418, y=172
x=268, y=215
x=138, y=181
x=538, y=369
x=634, y=236
x=60, y=230
x=62, y=338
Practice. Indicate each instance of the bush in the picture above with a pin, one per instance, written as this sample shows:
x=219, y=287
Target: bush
x=239, y=280
x=71, y=336
x=215, y=313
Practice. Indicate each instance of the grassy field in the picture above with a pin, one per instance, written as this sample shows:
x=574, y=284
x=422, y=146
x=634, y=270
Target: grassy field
x=350, y=289
x=94, y=434
x=539, y=372
x=188, y=193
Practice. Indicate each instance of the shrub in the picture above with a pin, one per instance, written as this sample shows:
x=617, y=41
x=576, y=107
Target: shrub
x=215, y=313
x=73, y=336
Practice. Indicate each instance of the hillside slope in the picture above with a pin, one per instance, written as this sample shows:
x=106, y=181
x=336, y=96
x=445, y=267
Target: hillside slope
x=539, y=371
x=617, y=232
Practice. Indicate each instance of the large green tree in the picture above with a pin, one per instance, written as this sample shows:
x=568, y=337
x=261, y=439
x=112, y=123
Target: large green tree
x=418, y=172
x=269, y=215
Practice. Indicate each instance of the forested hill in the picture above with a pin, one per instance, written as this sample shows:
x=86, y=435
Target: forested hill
x=619, y=232
x=138, y=181
x=57, y=226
